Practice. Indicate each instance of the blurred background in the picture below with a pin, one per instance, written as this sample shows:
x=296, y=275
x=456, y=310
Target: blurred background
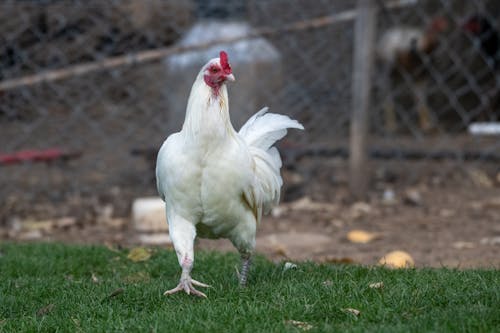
x=90, y=89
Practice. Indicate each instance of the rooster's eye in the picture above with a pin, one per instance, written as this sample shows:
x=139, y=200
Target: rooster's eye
x=214, y=70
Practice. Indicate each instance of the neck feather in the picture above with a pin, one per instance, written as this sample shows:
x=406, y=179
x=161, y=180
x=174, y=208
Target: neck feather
x=207, y=113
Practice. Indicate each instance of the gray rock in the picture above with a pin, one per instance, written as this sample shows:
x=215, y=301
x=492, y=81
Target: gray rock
x=148, y=215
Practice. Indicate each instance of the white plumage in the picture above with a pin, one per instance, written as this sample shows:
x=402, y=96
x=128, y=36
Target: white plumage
x=403, y=49
x=400, y=40
x=217, y=182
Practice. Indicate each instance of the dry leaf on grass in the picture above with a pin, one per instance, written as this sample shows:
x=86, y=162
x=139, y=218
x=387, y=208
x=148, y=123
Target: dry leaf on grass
x=376, y=285
x=361, y=236
x=77, y=324
x=94, y=278
x=139, y=254
x=299, y=324
x=45, y=310
x=397, y=259
x=355, y=312
x=115, y=293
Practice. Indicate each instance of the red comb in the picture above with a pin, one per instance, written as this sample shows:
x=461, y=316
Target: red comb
x=224, y=62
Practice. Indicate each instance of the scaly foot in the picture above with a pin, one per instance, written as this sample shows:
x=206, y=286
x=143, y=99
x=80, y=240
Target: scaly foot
x=187, y=284
x=245, y=266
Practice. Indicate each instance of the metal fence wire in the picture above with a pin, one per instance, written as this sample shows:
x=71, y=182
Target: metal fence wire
x=90, y=89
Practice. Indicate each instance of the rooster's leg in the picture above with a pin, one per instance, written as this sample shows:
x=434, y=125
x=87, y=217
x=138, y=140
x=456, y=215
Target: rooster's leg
x=245, y=266
x=244, y=240
x=183, y=233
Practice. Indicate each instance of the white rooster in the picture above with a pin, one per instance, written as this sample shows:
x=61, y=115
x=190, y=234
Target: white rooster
x=404, y=49
x=217, y=182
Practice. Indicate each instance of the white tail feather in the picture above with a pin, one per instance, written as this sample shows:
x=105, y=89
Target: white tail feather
x=261, y=132
x=263, y=129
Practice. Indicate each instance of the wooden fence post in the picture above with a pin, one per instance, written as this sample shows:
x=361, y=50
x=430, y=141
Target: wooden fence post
x=364, y=40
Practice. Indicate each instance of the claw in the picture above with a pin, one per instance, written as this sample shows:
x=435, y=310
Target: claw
x=199, y=284
x=238, y=275
x=187, y=285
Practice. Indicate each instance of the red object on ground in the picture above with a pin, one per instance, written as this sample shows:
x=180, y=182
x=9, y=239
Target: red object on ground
x=45, y=155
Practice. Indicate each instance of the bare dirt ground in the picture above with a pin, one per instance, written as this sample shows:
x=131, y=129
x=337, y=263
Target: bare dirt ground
x=442, y=215
x=450, y=228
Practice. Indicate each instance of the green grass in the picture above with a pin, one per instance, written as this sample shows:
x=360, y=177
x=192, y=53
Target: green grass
x=49, y=288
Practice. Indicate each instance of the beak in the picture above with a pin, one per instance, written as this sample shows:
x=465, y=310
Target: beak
x=230, y=77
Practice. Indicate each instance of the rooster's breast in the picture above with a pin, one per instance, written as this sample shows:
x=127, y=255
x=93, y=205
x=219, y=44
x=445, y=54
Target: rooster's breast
x=205, y=185
x=226, y=174
x=178, y=177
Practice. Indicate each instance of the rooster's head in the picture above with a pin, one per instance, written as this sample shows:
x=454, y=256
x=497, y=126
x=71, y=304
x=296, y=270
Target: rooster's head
x=477, y=25
x=217, y=71
x=438, y=24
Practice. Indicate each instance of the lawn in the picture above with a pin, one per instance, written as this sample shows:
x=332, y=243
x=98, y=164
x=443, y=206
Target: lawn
x=60, y=288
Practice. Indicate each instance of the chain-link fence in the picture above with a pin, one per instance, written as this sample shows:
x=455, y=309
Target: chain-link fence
x=94, y=80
